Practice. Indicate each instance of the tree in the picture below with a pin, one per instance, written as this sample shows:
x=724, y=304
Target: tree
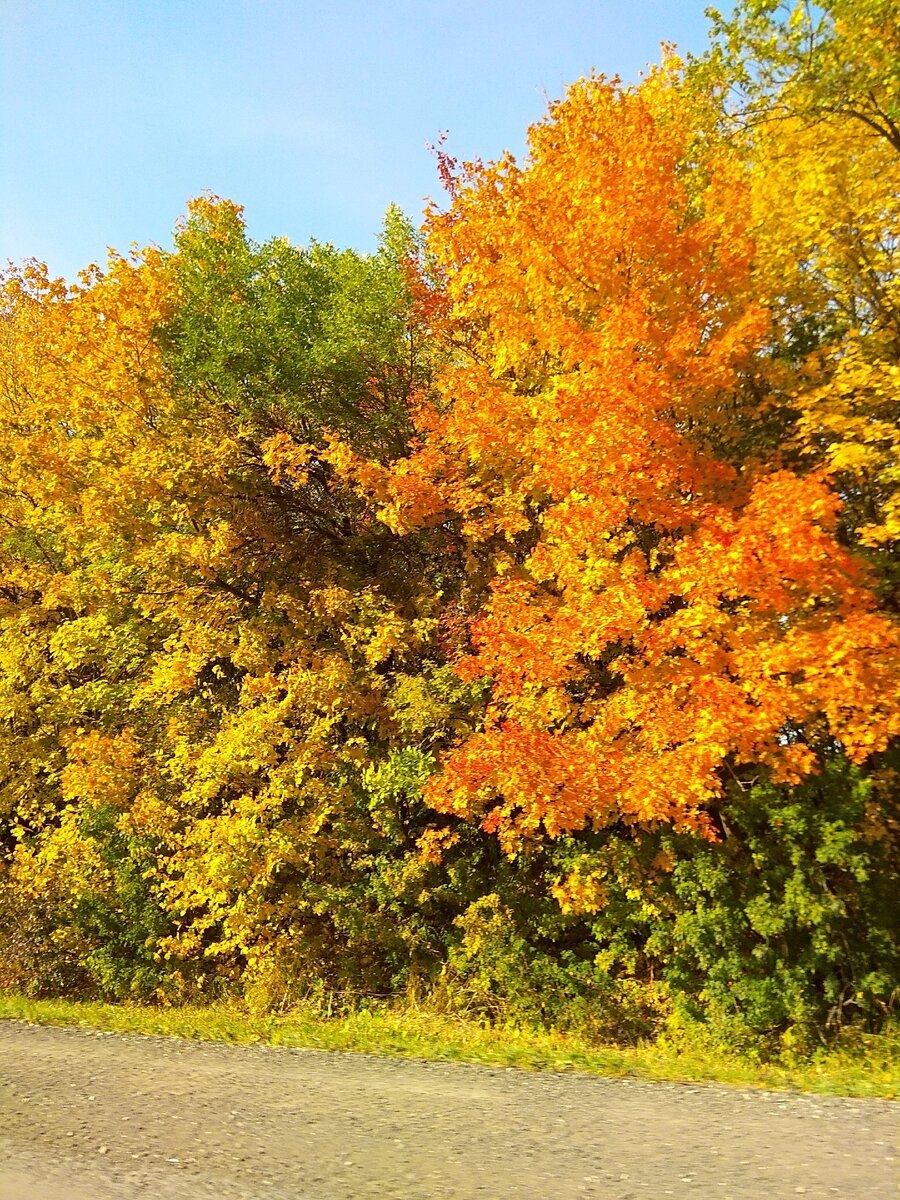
x=815, y=94
x=839, y=58
x=658, y=617
x=210, y=649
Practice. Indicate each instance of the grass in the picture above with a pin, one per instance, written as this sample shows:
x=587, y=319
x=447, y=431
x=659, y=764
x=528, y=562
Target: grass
x=863, y=1066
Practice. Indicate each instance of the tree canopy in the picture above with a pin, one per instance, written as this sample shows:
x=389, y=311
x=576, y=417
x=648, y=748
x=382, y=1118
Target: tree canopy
x=507, y=616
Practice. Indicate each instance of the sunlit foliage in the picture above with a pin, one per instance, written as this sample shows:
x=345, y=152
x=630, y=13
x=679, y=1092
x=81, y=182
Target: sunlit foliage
x=507, y=617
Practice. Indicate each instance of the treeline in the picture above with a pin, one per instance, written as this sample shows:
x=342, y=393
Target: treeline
x=506, y=619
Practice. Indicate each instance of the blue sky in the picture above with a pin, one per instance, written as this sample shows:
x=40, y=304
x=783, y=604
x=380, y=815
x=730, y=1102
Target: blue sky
x=314, y=116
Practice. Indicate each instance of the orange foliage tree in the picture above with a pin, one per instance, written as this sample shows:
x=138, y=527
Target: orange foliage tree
x=667, y=607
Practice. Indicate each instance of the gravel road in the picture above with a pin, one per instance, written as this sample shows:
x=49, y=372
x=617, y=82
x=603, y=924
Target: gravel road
x=88, y=1116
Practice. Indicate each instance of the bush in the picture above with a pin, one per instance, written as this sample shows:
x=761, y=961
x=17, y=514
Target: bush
x=782, y=931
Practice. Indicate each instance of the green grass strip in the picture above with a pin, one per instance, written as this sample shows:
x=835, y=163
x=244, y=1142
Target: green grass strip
x=867, y=1065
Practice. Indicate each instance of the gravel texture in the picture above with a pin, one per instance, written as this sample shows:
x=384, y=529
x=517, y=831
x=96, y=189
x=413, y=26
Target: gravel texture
x=94, y=1116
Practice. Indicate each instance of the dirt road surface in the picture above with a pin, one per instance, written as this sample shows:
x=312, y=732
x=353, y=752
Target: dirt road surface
x=87, y=1116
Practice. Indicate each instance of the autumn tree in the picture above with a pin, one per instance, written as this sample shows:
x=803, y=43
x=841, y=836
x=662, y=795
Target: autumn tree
x=813, y=99
x=811, y=62
x=658, y=617
x=211, y=651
